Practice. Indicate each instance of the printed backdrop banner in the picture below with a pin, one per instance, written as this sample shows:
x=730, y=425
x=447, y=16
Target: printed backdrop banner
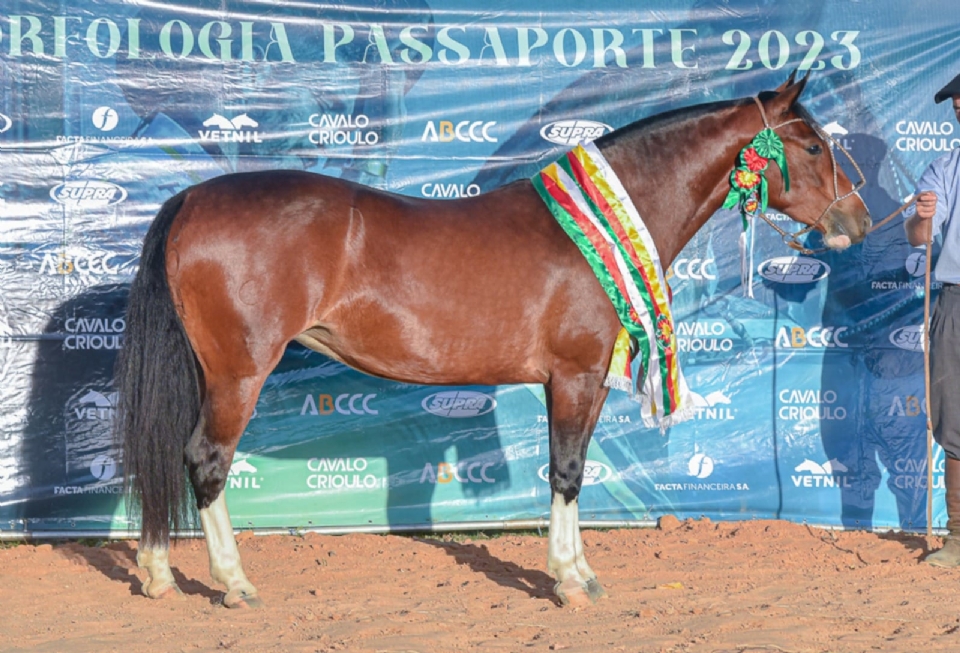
x=809, y=394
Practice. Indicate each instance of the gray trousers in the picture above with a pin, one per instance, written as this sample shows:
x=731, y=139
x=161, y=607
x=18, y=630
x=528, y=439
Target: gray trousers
x=945, y=370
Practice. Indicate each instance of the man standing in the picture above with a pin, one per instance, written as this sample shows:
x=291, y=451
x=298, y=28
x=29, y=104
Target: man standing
x=938, y=212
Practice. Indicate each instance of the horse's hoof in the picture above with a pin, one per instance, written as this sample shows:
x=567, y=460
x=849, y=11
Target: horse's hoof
x=595, y=590
x=168, y=591
x=573, y=594
x=241, y=599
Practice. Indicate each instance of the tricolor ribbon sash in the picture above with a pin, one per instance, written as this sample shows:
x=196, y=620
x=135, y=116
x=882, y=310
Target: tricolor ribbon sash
x=587, y=199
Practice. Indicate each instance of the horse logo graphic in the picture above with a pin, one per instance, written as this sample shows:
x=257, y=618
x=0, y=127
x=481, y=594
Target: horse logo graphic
x=242, y=467
x=99, y=399
x=218, y=121
x=225, y=124
x=829, y=468
x=835, y=129
x=714, y=406
x=246, y=482
x=243, y=120
x=220, y=129
x=713, y=399
x=92, y=405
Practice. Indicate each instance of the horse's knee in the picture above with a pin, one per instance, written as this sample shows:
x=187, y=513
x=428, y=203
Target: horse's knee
x=208, y=464
x=566, y=477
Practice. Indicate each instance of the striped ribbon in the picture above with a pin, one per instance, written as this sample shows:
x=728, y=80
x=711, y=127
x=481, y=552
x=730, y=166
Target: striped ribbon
x=587, y=199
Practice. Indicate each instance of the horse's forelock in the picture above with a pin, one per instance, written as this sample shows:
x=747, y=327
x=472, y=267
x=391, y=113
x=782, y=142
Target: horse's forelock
x=804, y=113
x=767, y=95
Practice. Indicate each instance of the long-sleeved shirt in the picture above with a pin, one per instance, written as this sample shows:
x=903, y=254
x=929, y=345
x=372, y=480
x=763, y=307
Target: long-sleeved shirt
x=943, y=178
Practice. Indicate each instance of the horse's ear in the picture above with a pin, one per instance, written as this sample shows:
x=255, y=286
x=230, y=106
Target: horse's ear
x=789, y=82
x=787, y=94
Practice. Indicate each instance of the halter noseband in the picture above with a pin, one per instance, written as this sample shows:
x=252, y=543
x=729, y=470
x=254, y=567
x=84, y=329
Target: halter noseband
x=792, y=240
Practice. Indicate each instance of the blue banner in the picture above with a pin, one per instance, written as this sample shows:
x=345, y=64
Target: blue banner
x=810, y=398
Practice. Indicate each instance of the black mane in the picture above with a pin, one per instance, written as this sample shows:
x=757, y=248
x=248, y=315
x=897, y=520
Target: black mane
x=672, y=118
x=664, y=121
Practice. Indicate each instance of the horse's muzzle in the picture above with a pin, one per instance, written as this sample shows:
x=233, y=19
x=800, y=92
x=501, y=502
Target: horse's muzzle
x=843, y=229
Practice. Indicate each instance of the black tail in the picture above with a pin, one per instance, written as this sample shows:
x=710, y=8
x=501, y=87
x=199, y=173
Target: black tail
x=158, y=402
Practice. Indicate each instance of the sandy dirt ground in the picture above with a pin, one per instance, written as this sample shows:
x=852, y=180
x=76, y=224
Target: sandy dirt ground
x=695, y=586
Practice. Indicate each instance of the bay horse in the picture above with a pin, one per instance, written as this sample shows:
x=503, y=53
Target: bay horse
x=486, y=290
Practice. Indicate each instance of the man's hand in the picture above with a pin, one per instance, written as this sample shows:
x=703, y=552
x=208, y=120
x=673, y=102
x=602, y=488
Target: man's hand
x=919, y=226
x=926, y=205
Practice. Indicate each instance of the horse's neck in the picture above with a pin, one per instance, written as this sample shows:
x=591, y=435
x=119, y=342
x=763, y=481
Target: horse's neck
x=679, y=177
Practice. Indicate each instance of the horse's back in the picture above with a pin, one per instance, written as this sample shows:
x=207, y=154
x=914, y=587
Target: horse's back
x=303, y=203
x=290, y=218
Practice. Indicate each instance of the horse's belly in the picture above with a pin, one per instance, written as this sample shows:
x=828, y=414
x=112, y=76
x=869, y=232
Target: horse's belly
x=460, y=359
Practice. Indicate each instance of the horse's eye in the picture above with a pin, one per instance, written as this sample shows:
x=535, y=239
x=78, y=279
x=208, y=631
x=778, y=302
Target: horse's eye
x=815, y=149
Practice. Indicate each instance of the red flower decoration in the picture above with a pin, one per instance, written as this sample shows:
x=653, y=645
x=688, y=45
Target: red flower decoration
x=754, y=161
x=751, y=205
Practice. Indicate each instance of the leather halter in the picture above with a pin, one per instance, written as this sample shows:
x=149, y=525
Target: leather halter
x=792, y=240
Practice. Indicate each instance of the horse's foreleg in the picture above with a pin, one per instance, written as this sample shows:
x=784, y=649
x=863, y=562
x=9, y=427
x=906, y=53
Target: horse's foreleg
x=574, y=406
x=209, y=454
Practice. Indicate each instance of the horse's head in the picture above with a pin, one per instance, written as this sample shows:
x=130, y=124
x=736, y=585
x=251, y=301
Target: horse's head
x=815, y=191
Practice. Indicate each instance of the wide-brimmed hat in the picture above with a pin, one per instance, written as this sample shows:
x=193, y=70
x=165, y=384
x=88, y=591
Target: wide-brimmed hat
x=951, y=89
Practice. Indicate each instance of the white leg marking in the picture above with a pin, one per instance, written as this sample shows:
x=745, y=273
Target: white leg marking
x=565, y=546
x=582, y=566
x=157, y=563
x=225, y=566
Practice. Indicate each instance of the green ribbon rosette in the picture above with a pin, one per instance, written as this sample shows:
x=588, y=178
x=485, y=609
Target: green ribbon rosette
x=748, y=184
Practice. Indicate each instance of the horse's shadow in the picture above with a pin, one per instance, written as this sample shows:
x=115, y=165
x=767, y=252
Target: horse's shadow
x=68, y=475
x=70, y=467
x=477, y=557
x=117, y=560
x=68, y=479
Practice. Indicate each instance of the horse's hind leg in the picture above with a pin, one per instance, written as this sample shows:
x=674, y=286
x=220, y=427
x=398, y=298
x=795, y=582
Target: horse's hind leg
x=226, y=410
x=225, y=565
x=574, y=405
x=160, y=583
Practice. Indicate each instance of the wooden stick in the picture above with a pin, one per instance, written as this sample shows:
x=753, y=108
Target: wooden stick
x=926, y=389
